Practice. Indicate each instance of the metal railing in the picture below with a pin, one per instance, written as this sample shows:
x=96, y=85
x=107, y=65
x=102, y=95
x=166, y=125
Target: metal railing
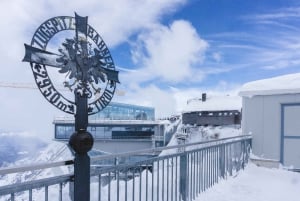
x=180, y=172
x=25, y=190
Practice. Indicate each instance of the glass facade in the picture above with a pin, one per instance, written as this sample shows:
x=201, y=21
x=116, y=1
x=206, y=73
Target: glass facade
x=114, y=111
x=121, y=111
x=130, y=132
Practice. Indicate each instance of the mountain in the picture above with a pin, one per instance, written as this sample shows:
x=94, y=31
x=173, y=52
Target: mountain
x=17, y=146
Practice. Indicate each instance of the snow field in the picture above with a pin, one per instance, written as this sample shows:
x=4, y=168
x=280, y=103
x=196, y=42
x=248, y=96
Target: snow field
x=256, y=184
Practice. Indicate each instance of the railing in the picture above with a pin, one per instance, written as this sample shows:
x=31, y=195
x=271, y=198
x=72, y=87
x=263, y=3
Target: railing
x=180, y=172
x=52, y=188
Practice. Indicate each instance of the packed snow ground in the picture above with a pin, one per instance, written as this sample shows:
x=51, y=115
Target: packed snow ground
x=256, y=184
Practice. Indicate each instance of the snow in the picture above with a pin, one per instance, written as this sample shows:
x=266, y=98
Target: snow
x=286, y=84
x=256, y=183
x=200, y=133
x=214, y=103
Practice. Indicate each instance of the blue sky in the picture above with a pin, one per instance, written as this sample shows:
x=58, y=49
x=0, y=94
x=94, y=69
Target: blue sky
x=167, y=51
x=247, y=40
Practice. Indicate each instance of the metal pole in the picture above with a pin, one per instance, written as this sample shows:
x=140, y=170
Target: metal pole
x=82, y=142
x=183, y=177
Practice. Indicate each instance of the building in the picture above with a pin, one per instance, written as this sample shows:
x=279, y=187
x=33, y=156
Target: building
x=271, y=111
x=118, y=128
x=212, y=111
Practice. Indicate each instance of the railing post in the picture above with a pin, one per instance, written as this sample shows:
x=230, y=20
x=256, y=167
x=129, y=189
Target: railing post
x=222, y=160
x=183, y=180
x=71, y=190
x=243, y=153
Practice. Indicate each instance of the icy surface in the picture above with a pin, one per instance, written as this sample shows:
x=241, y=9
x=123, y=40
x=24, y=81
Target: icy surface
x=286, y=84
x=256, y=184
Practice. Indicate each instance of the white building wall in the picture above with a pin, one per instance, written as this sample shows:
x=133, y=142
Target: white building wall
x=262, y=118
x=252, y=121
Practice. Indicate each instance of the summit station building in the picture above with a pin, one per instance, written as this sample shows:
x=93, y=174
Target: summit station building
x=118, y=128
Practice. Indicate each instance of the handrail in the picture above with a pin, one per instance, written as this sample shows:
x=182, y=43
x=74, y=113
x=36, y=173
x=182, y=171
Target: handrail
x=210, y=161
x=4, y=171
x=14, y=188
x=10, y=170
x=158, y=149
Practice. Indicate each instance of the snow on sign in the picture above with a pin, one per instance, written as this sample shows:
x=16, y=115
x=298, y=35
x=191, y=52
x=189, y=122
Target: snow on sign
x=82, y=62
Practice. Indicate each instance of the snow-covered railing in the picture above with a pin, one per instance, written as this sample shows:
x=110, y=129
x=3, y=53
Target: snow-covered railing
x=180, y=172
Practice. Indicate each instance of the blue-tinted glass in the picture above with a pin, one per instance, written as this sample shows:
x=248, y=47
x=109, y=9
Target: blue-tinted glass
x=119, y=111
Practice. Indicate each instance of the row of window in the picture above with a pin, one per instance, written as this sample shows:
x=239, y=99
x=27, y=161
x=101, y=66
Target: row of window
x=227, y=113
x=108, y=132
x=119, y=111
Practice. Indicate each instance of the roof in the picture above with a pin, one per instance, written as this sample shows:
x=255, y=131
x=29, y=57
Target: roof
x=214, y=103
x=286, y=84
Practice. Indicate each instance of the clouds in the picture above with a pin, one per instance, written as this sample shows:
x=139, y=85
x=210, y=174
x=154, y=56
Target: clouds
x=170, y=53
x=278, y=14
x=270, y=46
x=152, y=95
x=172, y=59
x=164, y=56
x=116, y=21
x=281, y=48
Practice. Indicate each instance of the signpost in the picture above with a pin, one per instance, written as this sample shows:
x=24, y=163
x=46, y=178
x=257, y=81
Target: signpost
x=89, y=73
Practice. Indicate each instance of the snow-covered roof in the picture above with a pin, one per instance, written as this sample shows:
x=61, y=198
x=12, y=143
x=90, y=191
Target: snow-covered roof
x=214, y=103
x=286, y=84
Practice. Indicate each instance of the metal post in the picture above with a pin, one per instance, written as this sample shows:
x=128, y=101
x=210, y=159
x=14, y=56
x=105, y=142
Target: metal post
x=82, y=142
x=183, y=178
x=222, y=160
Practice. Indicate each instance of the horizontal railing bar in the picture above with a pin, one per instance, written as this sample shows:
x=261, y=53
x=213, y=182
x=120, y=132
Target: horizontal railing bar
x=11, y=170
x=158, y=149
x=19, y=187
x=112, y=167
x=4, y=171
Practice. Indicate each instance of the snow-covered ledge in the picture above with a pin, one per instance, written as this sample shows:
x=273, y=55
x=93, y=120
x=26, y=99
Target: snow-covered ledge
x=287, y=84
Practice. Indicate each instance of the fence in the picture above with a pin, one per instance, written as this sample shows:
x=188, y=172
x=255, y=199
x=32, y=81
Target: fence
x=180, y=172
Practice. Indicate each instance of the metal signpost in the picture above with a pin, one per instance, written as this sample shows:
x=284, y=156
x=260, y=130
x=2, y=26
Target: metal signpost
x=89, y=72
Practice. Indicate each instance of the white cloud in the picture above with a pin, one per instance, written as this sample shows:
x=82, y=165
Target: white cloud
x=217, y=56
x=165, y=55
x=283, y=13
x=172, y=100
x=161, y=99
x=170, y=53
x=115, y=21
x=282, y=64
